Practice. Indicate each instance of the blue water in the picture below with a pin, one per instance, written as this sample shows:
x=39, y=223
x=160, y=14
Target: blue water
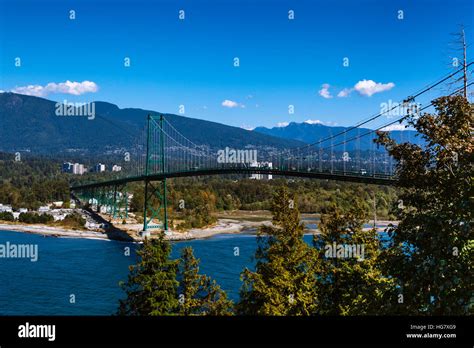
x=92, y=269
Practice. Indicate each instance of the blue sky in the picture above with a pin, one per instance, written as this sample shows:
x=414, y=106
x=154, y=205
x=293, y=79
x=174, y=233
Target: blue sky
x=190, y=62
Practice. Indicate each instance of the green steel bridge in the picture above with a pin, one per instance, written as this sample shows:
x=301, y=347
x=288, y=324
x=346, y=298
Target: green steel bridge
x=164, y=152
x=168, y=154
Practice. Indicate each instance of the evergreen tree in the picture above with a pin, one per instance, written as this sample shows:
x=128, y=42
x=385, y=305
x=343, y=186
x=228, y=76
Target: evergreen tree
x=350, y=277
x=283, y=282
x=152, y=286
x=199, y=294
x=432, y=246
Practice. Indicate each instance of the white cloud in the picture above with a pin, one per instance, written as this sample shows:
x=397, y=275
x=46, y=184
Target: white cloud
x=324, y=91
x=370, y=87
x=246, y=127
x=2, y=91
x=282, y=124
x=313, y=121
x=35, y=90
x=229, y=104
x=68, y=87
x=345, y=92
x=328, y=123
x=393, y=127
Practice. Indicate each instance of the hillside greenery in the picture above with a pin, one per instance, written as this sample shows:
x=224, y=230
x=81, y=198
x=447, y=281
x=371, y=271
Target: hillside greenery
x=31, y=182
x=30, y=123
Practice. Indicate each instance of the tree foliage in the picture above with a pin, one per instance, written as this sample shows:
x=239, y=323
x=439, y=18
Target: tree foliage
x=158, y=285
x=432, y=245
x=33, y=218
x=284, y=281
x=152, y=286
x=6, y=216
x=353, y=283
x=31, y=182
x=198, y=293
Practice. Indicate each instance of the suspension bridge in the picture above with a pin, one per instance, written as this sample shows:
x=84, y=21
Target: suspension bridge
x=163, y=152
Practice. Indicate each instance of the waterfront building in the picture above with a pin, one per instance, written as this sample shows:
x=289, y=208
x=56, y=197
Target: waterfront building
x=43, y=209
x=6, y=208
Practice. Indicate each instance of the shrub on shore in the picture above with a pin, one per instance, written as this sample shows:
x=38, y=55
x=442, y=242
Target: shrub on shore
x=6, y=216
x=33, y=218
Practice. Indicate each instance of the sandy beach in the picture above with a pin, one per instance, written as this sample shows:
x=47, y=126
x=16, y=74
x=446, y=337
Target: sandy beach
x=52, y=231
x=222, y=226
x=130, y=232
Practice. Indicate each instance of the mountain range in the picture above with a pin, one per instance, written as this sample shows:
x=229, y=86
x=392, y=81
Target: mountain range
x=30, y=124
x=313, y=132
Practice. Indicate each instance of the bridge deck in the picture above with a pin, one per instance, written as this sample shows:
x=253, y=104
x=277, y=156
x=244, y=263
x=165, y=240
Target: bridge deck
x=378, y=179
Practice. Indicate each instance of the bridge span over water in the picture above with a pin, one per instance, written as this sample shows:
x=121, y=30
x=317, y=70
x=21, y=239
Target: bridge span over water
x=168, y=154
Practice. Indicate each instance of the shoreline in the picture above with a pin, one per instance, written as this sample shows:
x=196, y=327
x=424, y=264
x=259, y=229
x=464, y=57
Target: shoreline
x=223, y=226
x=51, y=231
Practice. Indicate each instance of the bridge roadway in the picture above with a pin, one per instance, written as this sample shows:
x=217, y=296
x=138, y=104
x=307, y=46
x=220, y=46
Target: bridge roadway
x=378, y=179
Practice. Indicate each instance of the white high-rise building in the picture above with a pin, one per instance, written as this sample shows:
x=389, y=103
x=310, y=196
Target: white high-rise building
x=78, y=168
x=75, y=168
x=82, y=169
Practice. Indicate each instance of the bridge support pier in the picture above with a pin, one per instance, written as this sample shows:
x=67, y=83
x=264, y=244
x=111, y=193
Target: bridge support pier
x=155, y=195
x=120, y=202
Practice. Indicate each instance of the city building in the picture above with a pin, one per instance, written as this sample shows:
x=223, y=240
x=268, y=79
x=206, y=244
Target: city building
x=99, y=168
x=78, y=169
x=6, y=208
x=67, y=167
x=73, y=168
x=43, y=209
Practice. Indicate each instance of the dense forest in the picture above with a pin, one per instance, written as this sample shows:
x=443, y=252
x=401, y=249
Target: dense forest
x=35, y=181
x=197, y=200
x=31, y=182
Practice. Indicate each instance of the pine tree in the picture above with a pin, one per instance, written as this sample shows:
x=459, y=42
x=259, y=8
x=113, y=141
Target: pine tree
x=350, y=276
x=283, y=282
x=432, y=245
x=199, y=294
x=152, y=286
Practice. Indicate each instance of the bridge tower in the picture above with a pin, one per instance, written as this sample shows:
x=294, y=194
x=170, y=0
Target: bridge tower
x=152, y=191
